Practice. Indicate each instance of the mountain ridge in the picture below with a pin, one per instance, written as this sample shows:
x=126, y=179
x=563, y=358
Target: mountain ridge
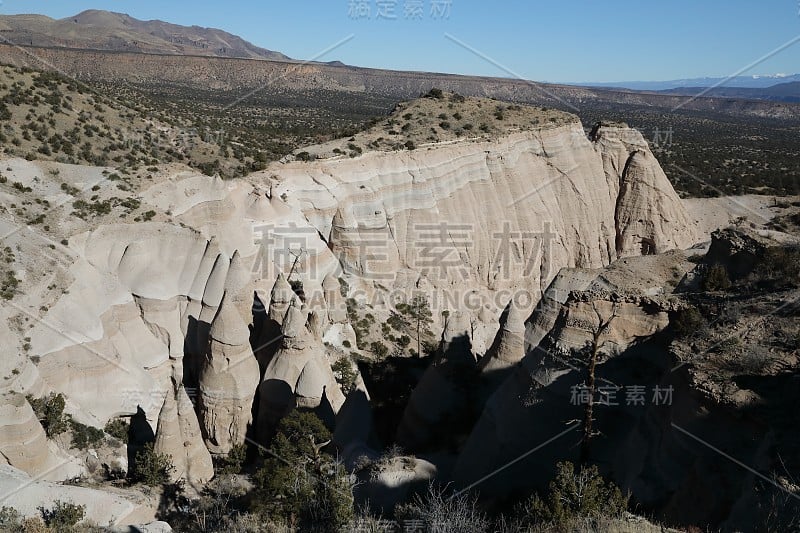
x=96, y=29
x=741, y=82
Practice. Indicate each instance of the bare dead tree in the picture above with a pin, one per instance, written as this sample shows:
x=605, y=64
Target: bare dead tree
x=297, y=255
x=594, y=350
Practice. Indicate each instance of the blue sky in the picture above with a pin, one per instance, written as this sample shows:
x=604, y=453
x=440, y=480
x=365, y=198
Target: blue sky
x=567, y=40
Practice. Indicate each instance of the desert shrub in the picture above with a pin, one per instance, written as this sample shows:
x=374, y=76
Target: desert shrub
x=688, y=321
x=9, y=285
x=84, y=436
x=442, y=512
x=573, y=495
x=410, y=145
x=63, y=516
x=716, y=278
x=779, y=266
x=218, y=508
x=234, y=461
x=118, y=429
x=379, y=349
x=297, y=286
x=50, y=412
x=9, y=519
x=151, y=468
x=435, y=93
x=344, y=374
x=299, y=484
x=397, y=322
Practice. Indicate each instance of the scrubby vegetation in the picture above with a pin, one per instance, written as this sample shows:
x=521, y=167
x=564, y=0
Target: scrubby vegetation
x=574, y=494
x=48, y=116
x=345, y=374
x=438, y=117
x=299, y=484
x=118, y=429
x=62, y=517
x=151, y=468
x=84, y=436
x=50, y=412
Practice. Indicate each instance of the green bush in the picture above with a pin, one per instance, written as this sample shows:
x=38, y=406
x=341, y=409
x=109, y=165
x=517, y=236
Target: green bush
x=118, y=428
x=573, y=495
x=233, y=462
x=50, y=412
x=435, y=93
x=379, y=349
x=151, y=468
x=84, y=436
x=781, y=265
x=716, y=279
x=299, y=484
x=9, y=519
x=63, y=516
x=345, y=375
x=688, y=321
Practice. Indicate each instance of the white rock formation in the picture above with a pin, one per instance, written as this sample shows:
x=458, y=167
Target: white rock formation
x=335, y=302
x=508, y=348
x=228, y=381
x=299, y=375
x=178, y=435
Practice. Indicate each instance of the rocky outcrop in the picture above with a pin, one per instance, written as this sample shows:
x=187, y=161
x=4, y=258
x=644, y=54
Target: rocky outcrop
x=179, y=436
x=228, y=381
x=509, y=345
x=299, y=375
x=515, y=210
x=538, y=399
x=469, y=223
x=281, y=298
x=335, y=302
x=740, y=249
x=649, y=217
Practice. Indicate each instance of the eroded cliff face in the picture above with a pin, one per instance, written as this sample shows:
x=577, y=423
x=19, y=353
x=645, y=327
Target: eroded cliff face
x=155, y=312
x=514, y=211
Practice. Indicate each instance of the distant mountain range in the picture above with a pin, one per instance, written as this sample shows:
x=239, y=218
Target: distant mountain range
x=104, y=45
x=748, y=82
x=104, y=30
x=783, y=92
